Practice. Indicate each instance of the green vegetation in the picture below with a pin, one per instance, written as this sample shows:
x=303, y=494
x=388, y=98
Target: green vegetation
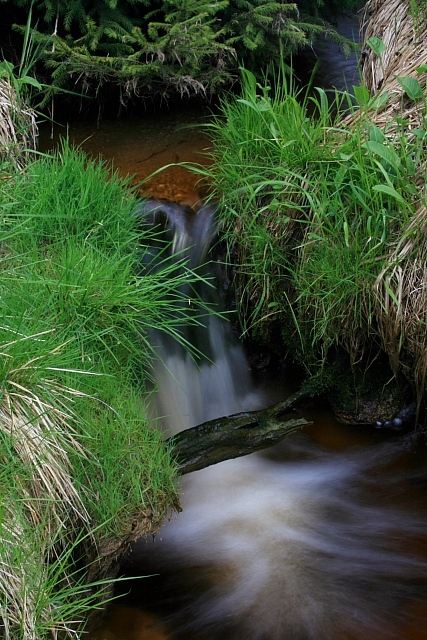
x=81, y=468
x=318, y=210
x=188, y=46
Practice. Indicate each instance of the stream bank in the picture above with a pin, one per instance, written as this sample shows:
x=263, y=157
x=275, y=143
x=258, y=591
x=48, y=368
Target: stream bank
x=407, y=529
x=326, y=215
x=314, y=539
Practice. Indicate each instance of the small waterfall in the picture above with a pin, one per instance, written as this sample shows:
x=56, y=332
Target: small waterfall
x=299, y=542
x=190, y=392
x=215, y=381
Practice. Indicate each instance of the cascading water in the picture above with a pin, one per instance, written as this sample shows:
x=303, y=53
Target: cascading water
x=214, y=381
x=300, y=542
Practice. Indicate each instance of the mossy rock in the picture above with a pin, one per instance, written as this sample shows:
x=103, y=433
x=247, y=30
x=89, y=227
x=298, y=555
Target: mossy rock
x=366, y=394
x=381, y=407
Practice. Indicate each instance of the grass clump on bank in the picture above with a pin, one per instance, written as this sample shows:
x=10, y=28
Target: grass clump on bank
x=317, y=209
x=82, y=471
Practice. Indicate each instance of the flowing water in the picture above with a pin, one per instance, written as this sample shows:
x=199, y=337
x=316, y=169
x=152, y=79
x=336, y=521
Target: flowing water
x=308, y=540
x=301, y=543
x=322, y=537
x=338, y=70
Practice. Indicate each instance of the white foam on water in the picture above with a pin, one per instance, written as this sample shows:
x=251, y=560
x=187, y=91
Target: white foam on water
x=314, y=545
x=190, y=393
x=305, y=549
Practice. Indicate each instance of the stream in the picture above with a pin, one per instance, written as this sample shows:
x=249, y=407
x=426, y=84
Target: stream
x=322, y=537
x=140, y=145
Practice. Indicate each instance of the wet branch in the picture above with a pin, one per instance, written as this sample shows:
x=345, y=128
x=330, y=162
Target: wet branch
x=234, y=436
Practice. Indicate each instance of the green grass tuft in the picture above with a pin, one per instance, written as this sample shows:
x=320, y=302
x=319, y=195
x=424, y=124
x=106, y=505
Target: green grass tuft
x=313, y=209
x=82, y=467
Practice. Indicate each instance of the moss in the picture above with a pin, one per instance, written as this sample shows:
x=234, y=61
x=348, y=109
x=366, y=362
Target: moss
x=364, y=393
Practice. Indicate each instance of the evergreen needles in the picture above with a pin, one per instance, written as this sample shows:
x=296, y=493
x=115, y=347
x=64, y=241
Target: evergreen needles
x=185, y=46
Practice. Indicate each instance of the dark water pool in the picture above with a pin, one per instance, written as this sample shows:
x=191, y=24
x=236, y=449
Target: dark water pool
x=140, y=145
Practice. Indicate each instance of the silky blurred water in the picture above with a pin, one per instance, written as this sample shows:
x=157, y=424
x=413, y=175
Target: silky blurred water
x=303, y=542
x=308, y=540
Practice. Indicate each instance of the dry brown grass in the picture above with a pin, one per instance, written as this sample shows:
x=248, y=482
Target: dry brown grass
x=406, y=49
x=404, y=37
x=401, y=288
x=43, y=504
x=18, y=128
x=402, y=304
x=41, y=435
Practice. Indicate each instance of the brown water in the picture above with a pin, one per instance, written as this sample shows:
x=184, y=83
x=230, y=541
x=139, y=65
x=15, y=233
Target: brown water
x=322, y=537
x=139, y=146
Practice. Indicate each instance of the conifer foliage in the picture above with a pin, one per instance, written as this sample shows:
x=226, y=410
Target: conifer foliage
x=148, y=46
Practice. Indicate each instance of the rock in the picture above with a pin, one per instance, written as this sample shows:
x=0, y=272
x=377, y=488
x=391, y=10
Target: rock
x=384, y=409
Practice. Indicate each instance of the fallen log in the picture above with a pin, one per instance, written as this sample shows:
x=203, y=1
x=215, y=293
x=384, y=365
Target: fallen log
x=234, y=436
